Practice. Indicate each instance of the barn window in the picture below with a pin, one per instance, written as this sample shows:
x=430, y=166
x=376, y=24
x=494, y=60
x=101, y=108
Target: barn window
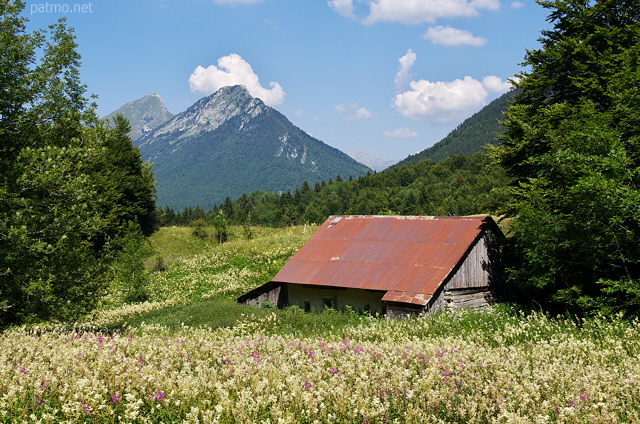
x=328, y=302
x=307, y=306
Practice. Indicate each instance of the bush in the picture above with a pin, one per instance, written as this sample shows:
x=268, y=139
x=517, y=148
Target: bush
x=128, y=268
x=200, y=228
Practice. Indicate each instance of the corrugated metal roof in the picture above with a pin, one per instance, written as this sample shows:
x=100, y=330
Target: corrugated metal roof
x=408, y=257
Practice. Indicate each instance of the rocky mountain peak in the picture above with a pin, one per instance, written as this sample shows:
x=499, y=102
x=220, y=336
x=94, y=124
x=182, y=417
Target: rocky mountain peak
x=144, y=114
x=212, y=111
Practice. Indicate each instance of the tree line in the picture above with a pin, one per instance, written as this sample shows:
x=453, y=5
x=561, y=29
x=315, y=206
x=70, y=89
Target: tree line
x=572, y=146
x=459, y=185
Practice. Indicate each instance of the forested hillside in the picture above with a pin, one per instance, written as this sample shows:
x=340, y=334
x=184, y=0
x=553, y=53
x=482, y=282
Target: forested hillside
x=477, y=131
x=459, y=185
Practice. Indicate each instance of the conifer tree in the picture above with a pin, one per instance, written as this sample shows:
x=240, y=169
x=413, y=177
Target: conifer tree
x=571, y=144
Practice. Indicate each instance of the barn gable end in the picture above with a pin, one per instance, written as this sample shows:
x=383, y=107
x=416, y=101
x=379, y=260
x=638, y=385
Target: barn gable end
x=478, y=279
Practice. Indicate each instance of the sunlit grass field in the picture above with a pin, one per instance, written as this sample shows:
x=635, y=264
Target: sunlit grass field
x=191, y=354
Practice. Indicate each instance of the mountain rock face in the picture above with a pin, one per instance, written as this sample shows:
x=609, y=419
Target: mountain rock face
x=230, y=143
x=371, y=160
x=143, y=114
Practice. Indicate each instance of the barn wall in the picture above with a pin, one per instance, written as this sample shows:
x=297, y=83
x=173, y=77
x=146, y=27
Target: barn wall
x=477, y=281
x=316, y=298
x=476, y=269
x=273, y=293
x=436, y=303
x=469, y=298
x=403, y=310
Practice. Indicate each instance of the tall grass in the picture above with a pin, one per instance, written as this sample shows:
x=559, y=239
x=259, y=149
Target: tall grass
x=191, y=354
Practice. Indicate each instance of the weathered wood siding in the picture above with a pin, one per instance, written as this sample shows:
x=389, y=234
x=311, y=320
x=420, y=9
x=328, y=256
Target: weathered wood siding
x=402, y=310
x=469, y=298
x=272, y=293
x=475, y=270
x=476, y=280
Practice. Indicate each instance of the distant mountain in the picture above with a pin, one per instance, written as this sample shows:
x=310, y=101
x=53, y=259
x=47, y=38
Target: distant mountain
x=144, y=114
x=370, y=160
x=230, y=143
x=469, y=137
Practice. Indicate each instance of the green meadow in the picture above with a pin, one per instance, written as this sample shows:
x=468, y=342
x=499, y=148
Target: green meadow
x=191, y=354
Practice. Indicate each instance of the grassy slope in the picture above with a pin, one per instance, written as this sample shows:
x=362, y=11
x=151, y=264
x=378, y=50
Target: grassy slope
x=200, y=278
x=192, y=355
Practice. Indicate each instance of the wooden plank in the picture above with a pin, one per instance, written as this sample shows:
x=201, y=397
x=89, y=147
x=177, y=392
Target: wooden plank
x=467, y=298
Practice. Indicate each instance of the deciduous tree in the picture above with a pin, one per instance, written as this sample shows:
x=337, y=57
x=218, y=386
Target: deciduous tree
x=69, y=186
x=572, y=146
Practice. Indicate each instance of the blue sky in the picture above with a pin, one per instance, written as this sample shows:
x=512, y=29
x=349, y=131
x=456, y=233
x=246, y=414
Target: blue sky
x=390, y=77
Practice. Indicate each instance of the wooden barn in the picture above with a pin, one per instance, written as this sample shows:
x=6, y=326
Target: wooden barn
x=393, y=265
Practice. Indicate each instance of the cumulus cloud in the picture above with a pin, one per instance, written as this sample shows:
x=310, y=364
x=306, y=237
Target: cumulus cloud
x=446, y=101
x=401, y=133
x=517, y=5
x=233, y=70
x=413, y=12
x=495, y=84
x=343, y=7
x=449, y=36
x=403, y=76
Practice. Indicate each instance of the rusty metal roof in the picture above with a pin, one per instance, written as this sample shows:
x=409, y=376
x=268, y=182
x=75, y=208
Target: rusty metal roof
x=408, y=257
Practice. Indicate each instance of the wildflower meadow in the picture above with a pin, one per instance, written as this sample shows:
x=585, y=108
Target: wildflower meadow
x=493, y=365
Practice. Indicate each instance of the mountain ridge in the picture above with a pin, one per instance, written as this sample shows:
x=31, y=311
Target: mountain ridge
x=480, y=129
x=144, y=114
x=371, y=160
x=230, y=143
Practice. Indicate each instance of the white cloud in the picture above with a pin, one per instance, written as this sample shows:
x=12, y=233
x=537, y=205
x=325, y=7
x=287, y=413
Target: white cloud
x=403, y=76
x=517, y=5
x=343, y=107
x=360, y=113
x=413, y=12
x=236, y=1
x=343, y=7
x=449, y=36
x=495, y=84
x=443, y=101
x=233, y=70
x=356, y=112
x=401, y=133
x=446, y=101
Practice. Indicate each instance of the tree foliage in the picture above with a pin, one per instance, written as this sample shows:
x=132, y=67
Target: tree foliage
x=571, y=144
x=459, y=185
x=69, y=186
